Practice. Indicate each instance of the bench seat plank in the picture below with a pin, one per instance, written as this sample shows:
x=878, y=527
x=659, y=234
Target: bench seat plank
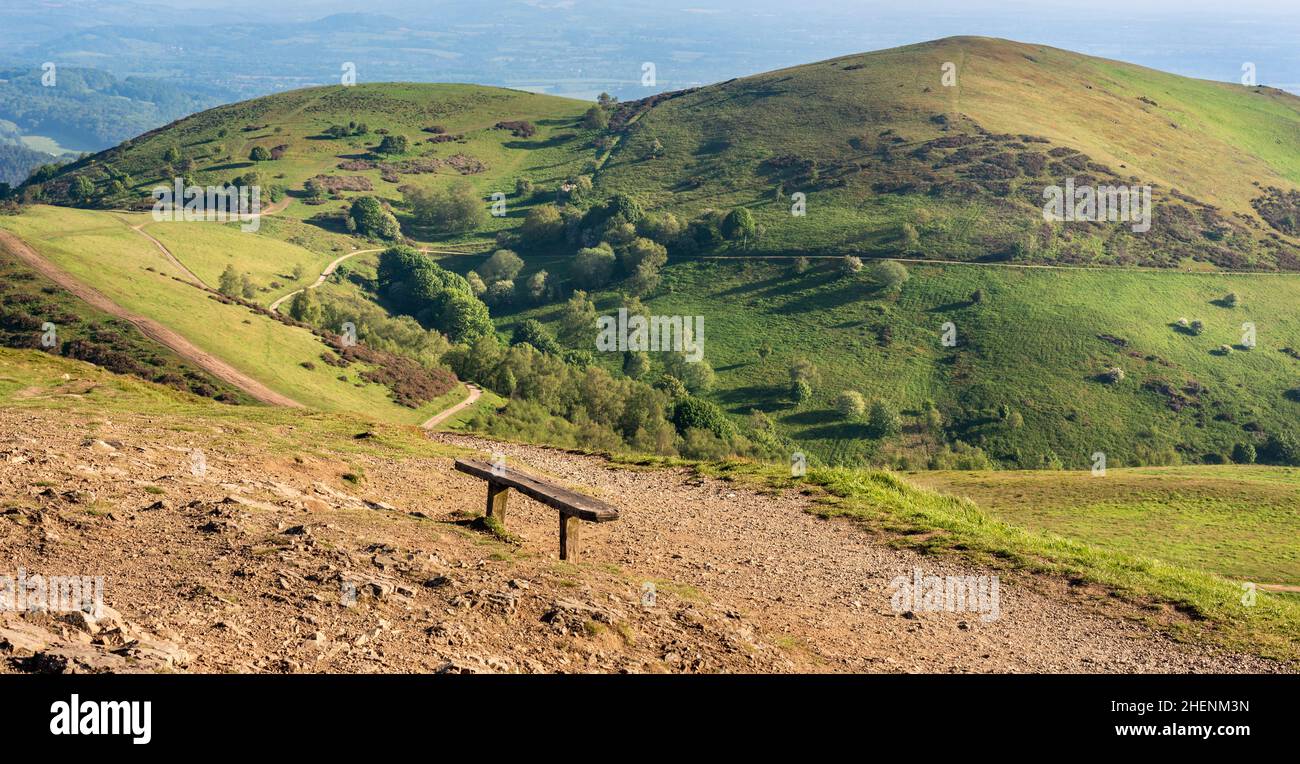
x=567, y=502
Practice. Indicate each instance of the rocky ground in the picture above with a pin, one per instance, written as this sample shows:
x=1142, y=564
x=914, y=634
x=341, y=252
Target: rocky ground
x=257, y=559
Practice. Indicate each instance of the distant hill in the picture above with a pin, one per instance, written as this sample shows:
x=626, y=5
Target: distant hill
x=892, y=161
x=17, y=162
x=89, y=109
x=877, y=141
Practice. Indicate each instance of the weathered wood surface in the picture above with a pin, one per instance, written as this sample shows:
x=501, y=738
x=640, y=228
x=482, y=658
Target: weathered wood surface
x=562, y=499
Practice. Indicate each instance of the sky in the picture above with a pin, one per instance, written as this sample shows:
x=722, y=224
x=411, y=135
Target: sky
x=528, y=43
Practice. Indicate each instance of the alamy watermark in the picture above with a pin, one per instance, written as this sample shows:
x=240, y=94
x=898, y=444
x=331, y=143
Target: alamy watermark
x=640, y=334
x=1129, y=204
x=52, y=594
x=221, y=204
x=952, y=594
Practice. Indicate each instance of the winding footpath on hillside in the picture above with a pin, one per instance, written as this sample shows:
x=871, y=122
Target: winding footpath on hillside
x=474, y=392
x=334, y=266
x=167, y=253
x=325, y=274
x=152, y=329
x=177, y=343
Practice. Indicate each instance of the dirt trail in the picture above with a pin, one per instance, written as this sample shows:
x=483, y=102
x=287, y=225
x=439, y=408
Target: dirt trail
x=334, y=266
x=152, y=329
x=442, y=416
x=167, y=253
x=329, y=270
x=825, y=586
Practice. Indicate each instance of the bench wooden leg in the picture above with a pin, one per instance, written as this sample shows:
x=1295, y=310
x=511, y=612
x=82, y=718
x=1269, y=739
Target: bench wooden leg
x=569, y=537
x=496, y=502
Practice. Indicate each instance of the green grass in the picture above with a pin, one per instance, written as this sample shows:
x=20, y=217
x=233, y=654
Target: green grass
x=299, y=118
x=1238, y=521
x=1033, y=345
x=36, y=380
x=208, y=248
x=1211, y=140
x=100, y=249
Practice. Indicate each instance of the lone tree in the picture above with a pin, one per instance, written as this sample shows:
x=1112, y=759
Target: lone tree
x=393, y=144
x=890, y=274
x=229, y=282
x=259, y=154
x=884, y=420
x=739, y=225
x=304, y=308
x=850, y=404
x=503, y=265
x=801, y=391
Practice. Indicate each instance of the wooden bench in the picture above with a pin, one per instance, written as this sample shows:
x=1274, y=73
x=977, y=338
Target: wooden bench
x=573, y=507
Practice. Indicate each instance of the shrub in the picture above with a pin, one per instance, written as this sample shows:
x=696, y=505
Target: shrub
x=1243, y=453
x=542, y=225
x=592, y=267
x=369, y=217
x=890, y=274
x=259, y=154
x=739, y=225
x=1283, y=448
x=502, y=265
x=1112, y=376
x=850, y=265
x=393, y=144
x=884, y=420
x=697, y=413
x=801, y=391
x=534, y=333
x=850, y=404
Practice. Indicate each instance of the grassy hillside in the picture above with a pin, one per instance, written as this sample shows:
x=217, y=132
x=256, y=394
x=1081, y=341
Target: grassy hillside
x=893, y=161
x=877, y=140
x=100, y=249
x=451, y=133
x=1254, y=512
x=31, y=301
x=1036, y=344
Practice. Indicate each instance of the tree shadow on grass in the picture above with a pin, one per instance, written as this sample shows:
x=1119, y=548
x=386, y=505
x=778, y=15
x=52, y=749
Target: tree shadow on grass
x=551, y=142
x=812, y=417
x=741, y=399
x=838, y=431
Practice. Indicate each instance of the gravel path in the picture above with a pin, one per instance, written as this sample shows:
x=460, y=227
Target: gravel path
x=826, y=585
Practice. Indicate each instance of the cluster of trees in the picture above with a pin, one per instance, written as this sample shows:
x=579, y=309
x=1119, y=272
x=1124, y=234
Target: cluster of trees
x=602, y=410
x=347, y=131
x=455, y=209
x=495, y=281
x=235, y=284
x=415, y=285
x=619, y=240
x=371, y=218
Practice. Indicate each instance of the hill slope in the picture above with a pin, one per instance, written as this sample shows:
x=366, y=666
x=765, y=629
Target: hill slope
x=878, y=140
x=275, y=563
